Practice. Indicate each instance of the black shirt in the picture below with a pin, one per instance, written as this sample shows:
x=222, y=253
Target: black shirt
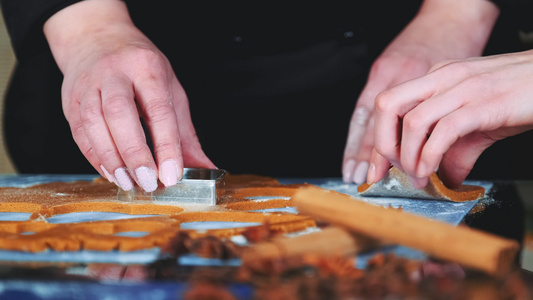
x=271, y=89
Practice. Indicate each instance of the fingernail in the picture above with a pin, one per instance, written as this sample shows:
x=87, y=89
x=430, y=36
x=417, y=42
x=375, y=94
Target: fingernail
x=361, y=172
x=362, y=115
x=107, y=175
x=348, y=171
x=123, y=179
x=371, y=174
x=146, y=178
x=168, y=173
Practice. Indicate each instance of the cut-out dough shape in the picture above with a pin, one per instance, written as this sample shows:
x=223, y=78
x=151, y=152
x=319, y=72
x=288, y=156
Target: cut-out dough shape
x=397, y=184
x=47, y=200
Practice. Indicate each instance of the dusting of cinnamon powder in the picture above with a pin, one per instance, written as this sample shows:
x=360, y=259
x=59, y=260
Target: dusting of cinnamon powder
x=46, y=200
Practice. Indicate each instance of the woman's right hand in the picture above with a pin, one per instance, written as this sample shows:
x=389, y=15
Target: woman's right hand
x=113, y=76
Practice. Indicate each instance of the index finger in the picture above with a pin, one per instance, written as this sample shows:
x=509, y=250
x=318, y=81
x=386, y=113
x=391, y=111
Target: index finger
x=390, y=108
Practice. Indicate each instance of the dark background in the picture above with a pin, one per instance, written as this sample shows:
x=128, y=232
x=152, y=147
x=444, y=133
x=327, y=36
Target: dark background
x=288, y=120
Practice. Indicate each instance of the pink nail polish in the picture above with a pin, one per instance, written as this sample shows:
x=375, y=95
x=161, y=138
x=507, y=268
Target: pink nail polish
x=360, y=172
x=362, y=115
x=168, y=172
x=108, y=175
x=123, y=179
x=147, y=178
x=347, y=173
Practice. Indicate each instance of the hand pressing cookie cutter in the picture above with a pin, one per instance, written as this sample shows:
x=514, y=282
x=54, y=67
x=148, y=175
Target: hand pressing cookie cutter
x=197, y=187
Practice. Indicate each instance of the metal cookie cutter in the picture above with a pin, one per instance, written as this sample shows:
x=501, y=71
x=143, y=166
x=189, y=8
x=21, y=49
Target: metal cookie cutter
x=197, y=187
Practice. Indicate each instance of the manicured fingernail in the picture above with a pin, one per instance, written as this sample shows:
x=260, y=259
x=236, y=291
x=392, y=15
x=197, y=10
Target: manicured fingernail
x=347, y=173
x=123, y=179
x=362, y=115
x=146, y=178
x=371, y=174
x=107, y=175
x=168, y=172
x=360, y=172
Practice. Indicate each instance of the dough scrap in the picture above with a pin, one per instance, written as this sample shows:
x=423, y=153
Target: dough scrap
x=397, y=184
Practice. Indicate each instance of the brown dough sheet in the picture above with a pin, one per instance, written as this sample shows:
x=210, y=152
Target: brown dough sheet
x=46, y=200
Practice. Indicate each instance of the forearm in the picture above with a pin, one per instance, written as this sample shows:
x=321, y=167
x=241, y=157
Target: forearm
x=24, y=21
x=452, y=29
x=85, y=25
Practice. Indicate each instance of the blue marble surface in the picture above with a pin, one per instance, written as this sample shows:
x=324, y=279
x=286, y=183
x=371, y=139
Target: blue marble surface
x=445, y=211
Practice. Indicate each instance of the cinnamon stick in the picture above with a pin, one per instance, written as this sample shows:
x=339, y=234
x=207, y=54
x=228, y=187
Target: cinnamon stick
x=470, y=247
x=329, y=241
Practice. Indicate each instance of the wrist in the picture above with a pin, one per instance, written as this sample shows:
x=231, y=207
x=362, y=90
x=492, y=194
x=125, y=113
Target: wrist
x=460, y=28
x=82, y=26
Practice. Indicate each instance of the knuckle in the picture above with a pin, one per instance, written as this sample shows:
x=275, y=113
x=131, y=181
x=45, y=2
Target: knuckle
x=70, y=113
x=158, y=110
x=448, y=127
x=114, y=105
x=90, y=113
x=384, y=150
x=166, y=146
x=86, y=148
x=382, y=103
x=147, y=55
x=442, y=137
x=413, y=122
x=107, y=155
x=90, y=154
x=149, y=61
x=189, y=140
x=458, y=68
x=134, y=151
x=83, y=79
x=77, y=130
